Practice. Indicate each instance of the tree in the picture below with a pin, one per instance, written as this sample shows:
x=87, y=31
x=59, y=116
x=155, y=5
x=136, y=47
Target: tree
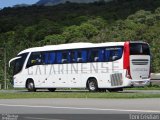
x=53, y=40
x=88, y=30
x=72, y=32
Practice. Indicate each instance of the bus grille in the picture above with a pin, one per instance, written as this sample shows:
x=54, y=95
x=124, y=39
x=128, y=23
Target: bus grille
x=116, y=79
x=140, y=61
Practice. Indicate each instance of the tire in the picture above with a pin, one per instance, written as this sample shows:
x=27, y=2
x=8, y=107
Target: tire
x=92, y=85
x=115, y=90
x=31, y=86
x=51, y=89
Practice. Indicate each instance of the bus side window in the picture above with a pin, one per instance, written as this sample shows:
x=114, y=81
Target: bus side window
x=65, y=57
x=93, y=55
x=84, y=56
x=107, y=55
x=81, y=56
x=45, y=57
x=120, y=52
x=52, y=56
x=73, y=57
x=49, y=57
x=101, y=55
x=59, y=57
x=34, y=59
x=113, y=53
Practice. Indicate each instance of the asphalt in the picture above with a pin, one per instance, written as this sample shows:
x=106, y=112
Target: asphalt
x=61, y=90
x=79, y=108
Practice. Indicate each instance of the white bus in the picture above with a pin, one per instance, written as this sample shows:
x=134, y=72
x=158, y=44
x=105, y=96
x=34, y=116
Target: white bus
x=95, y=66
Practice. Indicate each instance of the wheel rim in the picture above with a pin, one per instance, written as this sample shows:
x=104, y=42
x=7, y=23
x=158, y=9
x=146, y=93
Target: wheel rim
x=30, y=86
x=92, y=86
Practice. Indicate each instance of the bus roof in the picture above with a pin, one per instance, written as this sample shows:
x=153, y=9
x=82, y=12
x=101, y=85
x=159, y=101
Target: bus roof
x=71, y=46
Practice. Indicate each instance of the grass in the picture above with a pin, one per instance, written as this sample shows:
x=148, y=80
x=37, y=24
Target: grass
x=150, y=87
x=83, y=94
x=76, y=95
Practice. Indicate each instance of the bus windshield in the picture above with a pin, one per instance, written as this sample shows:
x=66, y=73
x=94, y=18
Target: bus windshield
x=139, y=49
x=18, y=65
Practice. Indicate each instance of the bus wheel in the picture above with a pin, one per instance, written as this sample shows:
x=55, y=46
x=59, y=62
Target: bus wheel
x=31, y=86
x=92, y=85
x=51, y=89
x=115, y=89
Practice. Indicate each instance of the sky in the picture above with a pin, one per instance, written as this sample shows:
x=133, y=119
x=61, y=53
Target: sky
x=10, y=3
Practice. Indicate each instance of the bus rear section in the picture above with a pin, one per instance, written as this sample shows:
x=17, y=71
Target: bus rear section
x=137, y=63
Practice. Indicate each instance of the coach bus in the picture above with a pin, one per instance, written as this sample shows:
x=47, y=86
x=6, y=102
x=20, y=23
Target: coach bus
x=95, y=66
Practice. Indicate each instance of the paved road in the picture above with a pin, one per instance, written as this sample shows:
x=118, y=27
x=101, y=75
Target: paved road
x=44, y=90
x=78, y=106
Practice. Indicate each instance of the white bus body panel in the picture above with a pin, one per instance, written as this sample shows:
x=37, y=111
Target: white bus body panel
x=73, y=75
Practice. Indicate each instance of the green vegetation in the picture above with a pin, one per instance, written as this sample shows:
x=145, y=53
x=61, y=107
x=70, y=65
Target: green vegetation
x=77, y=95
x=149, y=87
x=144, y=88
x=119, y=20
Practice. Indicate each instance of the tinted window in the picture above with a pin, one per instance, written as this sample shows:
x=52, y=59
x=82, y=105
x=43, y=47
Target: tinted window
x=81, y=55
x=113, y=53
x=101, y=55
x=59, y=57
x=34, y=59
x=49, y=57
x=62, y=57
x=73, y=57
x=76, y=56
x=139, y=49
x=93, y=55
x=65, y=57
x=18, y=65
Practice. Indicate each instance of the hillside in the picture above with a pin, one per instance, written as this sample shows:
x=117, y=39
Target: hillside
x=49, y=2
x=55, y=2
x=118, y=20
x=72, y=13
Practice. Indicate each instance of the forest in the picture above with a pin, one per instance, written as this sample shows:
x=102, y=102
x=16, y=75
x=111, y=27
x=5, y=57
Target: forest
x=118, y=20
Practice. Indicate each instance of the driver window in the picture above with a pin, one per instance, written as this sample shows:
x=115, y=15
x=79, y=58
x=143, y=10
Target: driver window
x=34, y=59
